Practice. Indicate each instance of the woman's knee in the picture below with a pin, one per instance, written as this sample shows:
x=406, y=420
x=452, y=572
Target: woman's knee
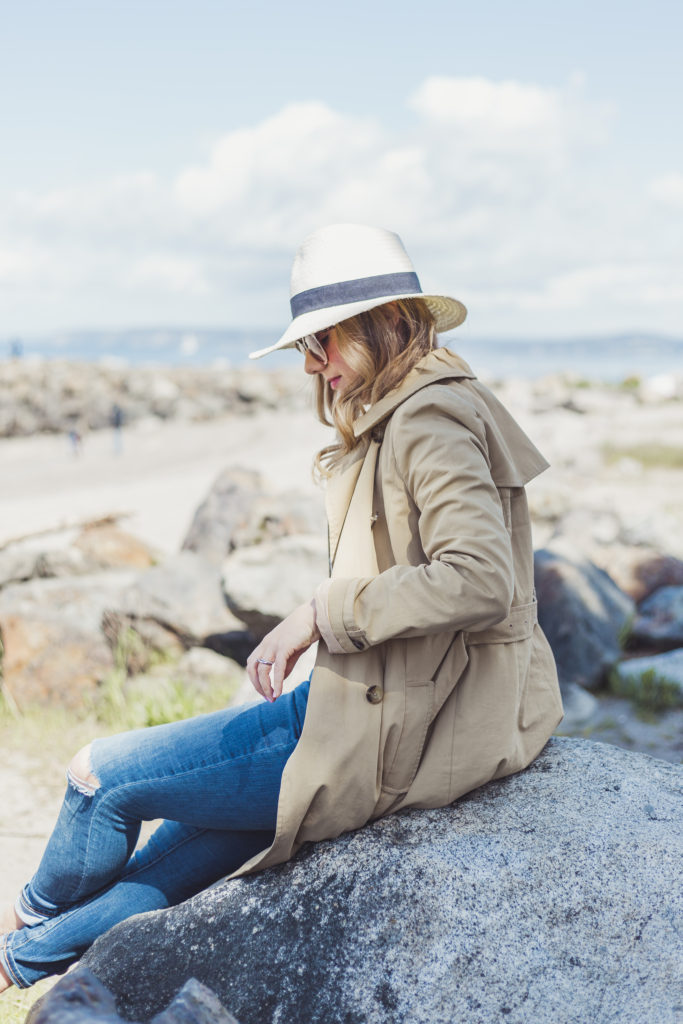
x=80, y=774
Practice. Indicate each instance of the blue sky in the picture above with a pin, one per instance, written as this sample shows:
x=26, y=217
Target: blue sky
x=161, y=160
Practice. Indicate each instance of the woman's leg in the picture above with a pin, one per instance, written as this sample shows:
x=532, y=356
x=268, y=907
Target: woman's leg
x=218, y=772
x=177, y=862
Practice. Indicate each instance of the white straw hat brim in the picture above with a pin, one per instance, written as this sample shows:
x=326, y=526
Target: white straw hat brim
x=342, y=270
x=447, y=312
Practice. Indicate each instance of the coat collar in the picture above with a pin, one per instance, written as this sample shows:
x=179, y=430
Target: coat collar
x=439, y=364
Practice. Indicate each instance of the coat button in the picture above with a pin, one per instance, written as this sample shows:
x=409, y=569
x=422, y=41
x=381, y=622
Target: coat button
x=358, y=644
x=374, y=694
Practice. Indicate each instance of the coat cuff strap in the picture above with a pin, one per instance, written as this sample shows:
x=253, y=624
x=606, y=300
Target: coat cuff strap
x=322, y=617
x=341, y=596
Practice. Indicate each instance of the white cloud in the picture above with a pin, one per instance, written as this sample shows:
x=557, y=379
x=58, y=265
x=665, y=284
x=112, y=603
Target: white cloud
x=495, y=187
x=487, y=107
x=668, y=190
x=168, y=272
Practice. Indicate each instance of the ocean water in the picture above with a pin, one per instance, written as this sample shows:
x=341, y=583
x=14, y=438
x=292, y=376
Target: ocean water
x=598, y=358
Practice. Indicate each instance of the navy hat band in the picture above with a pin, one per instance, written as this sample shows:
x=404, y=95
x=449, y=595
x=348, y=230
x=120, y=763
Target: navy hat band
x=358, y=290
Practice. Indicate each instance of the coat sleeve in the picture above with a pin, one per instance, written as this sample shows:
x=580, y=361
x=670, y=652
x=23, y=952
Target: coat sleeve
x=466, y=580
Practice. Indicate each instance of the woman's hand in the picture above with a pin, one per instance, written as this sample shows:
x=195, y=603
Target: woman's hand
x=271, y=662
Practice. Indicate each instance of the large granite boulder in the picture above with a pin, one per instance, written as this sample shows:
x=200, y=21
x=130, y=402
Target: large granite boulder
x=584, y=615
x=552, y=896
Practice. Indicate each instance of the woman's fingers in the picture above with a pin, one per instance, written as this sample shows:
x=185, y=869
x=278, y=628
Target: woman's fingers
x=275, y=657
x=258, y=671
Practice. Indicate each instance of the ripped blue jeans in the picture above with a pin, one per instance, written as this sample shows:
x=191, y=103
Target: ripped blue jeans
x=214, y=779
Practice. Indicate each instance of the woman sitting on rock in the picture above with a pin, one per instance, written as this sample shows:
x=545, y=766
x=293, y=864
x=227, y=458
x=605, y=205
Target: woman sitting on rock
x=432, y=675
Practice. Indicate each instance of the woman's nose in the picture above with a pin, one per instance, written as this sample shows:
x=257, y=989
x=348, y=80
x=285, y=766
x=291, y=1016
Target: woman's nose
x=312, y=364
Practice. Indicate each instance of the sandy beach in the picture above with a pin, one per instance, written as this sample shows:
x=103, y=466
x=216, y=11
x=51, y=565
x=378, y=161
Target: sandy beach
x=161, y=475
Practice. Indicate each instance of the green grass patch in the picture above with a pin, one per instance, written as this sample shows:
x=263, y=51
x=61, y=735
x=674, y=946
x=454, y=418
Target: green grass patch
x=150, y=699
x=630, y=384
x=120, y=702
x=15, y=1003
x=649, y=691
x=650, y=454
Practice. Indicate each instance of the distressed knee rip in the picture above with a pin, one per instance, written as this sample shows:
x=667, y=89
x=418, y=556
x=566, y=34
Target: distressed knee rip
x=79, y=774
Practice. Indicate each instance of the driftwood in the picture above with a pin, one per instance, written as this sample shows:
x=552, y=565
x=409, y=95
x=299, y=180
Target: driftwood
x=79, y=524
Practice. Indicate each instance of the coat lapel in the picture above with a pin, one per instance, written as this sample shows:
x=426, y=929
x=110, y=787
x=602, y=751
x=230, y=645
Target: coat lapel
x=349, y=501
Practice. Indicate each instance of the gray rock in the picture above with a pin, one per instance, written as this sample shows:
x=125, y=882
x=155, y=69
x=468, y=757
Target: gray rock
x=195, y=1004
x=237, y=512
x=640, y=571
x=81, y=999
x=21, y=563
x=656, y=681
x=659, y=622
x=16, y=565
x=579, y=707
x=59, y=395
x=265, y=582
x=552, y=896
x=583, y=614
x=67, y=561
x=227, y=507
x=171, y=607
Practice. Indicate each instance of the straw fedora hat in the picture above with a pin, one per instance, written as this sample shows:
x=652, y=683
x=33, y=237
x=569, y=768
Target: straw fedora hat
x=345, y=269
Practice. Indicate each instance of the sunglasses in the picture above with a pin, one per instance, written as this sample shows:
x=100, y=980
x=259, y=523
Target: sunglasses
x=309, y=343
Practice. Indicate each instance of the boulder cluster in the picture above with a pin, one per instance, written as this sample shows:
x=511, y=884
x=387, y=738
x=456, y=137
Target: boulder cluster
x=102, y=601
x=60, y=396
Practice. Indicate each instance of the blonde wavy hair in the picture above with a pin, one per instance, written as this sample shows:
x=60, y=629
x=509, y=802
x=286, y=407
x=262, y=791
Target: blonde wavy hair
x=381, y=346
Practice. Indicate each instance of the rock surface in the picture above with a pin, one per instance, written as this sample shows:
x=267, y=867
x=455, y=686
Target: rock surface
x=583, y=614
x=54, y=650
x=238, y=512
x=552, y=896
x=659, y=622
x=110, y=547
x=223, y=511
x=82, y=999
x=171, y=607
x=265, y=582
x=640, y=571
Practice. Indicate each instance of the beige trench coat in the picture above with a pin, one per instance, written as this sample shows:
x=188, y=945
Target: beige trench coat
x=447, y=680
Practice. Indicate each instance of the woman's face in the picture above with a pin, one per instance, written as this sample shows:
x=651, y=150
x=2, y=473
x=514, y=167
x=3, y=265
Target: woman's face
x=336, y=370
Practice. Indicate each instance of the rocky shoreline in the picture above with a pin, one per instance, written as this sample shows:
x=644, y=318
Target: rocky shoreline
x=59, y=396
x=607, y=520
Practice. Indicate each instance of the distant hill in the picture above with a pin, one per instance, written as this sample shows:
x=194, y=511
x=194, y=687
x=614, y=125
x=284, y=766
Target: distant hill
x=599, y=357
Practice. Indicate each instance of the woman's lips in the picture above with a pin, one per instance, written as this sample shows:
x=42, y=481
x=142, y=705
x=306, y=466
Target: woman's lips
x=334, y=382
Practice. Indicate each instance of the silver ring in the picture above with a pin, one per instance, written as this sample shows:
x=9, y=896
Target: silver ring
x=264, y=661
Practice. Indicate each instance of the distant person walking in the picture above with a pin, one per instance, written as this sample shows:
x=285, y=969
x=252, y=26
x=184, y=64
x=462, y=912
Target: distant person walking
x=75, y=442
x=117, y=425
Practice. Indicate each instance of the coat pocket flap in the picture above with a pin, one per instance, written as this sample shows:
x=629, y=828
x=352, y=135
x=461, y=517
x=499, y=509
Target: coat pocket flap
x=519, y=625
